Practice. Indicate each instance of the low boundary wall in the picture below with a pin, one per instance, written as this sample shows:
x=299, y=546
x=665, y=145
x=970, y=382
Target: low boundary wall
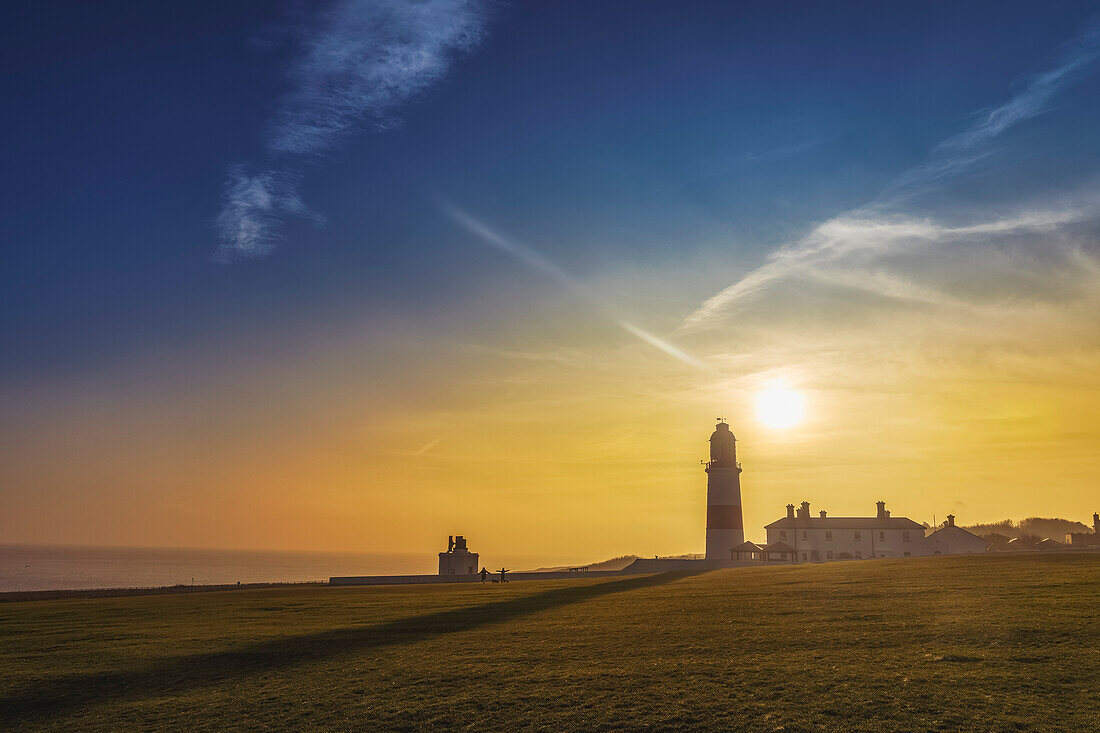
x=640, y=566
x=510, y=576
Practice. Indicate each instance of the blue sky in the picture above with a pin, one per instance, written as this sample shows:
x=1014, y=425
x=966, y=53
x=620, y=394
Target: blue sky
x=655, y=155
x=603, y=132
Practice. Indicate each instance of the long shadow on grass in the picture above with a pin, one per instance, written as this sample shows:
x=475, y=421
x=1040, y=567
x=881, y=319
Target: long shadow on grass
x=176, y=675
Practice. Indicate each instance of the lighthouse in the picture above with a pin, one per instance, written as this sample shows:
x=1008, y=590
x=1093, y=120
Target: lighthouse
x=725, y=529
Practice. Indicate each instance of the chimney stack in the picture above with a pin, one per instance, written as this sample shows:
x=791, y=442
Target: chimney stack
x=790, y=511
x=882, y=514
x=950, y=520
x=804, y=510
x=822, y=513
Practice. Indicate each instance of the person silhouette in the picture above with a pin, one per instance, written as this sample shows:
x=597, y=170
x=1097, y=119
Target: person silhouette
x=484, y=574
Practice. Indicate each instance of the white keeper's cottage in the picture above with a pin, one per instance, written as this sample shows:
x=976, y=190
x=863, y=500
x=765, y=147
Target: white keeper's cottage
x=823, y=538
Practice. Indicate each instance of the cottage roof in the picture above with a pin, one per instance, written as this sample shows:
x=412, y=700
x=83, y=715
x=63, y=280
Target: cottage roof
x=746, y=547
x=778, y=547
x=844, y=523
x=950, y=529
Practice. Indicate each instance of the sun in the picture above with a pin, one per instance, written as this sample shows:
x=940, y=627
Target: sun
x=780, y=407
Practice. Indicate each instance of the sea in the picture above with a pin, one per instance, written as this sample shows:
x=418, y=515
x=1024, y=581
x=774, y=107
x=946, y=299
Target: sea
x=35, y=567
x=46, y=567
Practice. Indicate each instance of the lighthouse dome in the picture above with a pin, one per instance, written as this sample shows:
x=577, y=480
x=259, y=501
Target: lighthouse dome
x=723, y=446
x=722, y=432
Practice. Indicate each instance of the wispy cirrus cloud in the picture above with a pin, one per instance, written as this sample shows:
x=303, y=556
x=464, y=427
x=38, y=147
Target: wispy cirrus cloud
x=538, y=262
x=254, y=208
x=855, y=239
x=357, y=63
x=362, y=60
x=854, y=247
x=962, y=151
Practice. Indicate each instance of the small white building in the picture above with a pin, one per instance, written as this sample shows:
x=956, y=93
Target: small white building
x=824, y=538
x=457, y=560
x=952, y=540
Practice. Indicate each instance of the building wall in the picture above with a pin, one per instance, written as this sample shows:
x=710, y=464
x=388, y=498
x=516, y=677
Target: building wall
x=826, y=544
x=953, y=541
x=458, y=563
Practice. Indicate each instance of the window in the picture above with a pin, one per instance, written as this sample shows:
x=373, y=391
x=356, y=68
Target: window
x=828, y=534
x=452, y=571
x=828, y=554
x=881, y=536
x=907, y=554
x=782, y=534
x=905, y=536
x=805, y=535
x=803, y=555
x=859, y=536
x=859, y=555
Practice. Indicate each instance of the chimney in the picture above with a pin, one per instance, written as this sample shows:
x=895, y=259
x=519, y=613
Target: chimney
x=822, y=513
x=804, y=510
x=950, y=520
x=790, y=511
x=881, y=509
x=887, y=513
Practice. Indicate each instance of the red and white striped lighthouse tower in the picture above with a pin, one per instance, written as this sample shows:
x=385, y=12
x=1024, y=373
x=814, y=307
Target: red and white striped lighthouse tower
x=725, y=529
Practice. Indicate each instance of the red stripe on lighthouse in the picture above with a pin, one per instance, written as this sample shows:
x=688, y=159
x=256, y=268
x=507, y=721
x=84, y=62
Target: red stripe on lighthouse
x=723, y=516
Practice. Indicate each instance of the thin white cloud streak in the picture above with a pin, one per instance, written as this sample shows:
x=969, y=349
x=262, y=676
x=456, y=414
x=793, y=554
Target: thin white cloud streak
x=358, y=63
x=958, y=153
x=784, y=151
x=659, y=344
x=855, y=241
x=873, y=231
x=428, y=446
x=728, y=165
x=522, y=252
x=538, y=262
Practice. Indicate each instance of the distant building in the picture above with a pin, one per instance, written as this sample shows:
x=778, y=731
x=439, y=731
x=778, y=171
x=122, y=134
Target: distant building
x=824, y=538
x=457, y=560
x=1085, y=539
x=952, y=540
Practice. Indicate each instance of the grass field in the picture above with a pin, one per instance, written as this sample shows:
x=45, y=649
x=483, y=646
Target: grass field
x=1002, y=642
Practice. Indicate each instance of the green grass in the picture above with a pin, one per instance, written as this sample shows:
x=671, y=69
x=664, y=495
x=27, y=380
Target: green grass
x=1004, y=642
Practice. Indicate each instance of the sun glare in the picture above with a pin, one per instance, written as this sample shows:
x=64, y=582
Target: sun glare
x=780, y=407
